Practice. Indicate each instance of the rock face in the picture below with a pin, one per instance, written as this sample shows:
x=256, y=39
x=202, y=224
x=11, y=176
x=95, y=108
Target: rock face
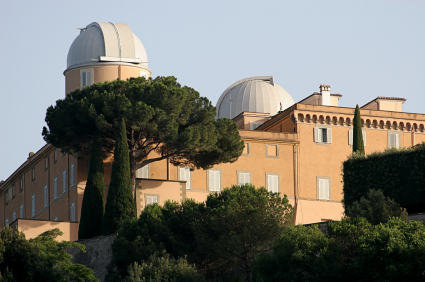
x=97, y=256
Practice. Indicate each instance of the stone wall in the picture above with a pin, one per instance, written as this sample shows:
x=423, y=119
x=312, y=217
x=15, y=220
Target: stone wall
x=97, y=256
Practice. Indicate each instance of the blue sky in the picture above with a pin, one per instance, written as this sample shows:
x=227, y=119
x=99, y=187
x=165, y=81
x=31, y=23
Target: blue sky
x=363, y=49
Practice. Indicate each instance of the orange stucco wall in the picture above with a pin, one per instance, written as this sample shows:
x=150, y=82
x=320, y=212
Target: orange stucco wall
x=102, y=73
x=33, y=228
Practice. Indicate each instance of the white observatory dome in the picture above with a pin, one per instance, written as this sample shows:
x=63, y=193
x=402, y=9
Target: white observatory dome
x=106, y=42
x=255, y=94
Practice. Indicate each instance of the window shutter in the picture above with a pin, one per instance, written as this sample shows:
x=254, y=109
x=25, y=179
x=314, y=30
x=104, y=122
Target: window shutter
x=350, y=137
x=320, y=188
x=217, y=180
x=188, y=178
x=326, y=189
x=241, y=178
x=329, y=135
x=364, y=137
x=397, y=140
x=88, y=74
x=317, y=132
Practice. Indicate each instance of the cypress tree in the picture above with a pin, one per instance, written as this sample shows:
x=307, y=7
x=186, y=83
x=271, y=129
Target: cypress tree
x=92, y=207
x=119, y=204
x=358, y=144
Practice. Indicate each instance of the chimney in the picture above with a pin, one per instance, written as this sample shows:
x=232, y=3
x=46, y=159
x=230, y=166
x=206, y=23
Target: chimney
x=325, y=92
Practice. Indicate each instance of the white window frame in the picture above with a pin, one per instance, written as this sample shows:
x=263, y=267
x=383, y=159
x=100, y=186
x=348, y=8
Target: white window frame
x=350, y=137
x=277, y=151
x=323, y=192
x=394, y=137
x=46, y=195
x=13, y=215
x=21, y=211
x=72, y=174
x=187, y=172
x=272, y=176
x=245, y=173
x=64, y=183
x=84, y=74
x=212, y=175
x=72, y=211
x=151, y=199
x=248, y=148
x=33, y=205
x=319, y=137
x=55, y=187
x=144, y=171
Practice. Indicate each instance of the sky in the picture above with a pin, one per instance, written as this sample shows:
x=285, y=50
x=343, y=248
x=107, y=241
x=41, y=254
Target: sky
x=362, y=49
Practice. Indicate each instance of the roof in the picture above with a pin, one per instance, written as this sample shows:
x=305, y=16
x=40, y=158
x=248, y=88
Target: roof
x=254, y=94
x=317, y=93
x=385, y=98
x=106, y=42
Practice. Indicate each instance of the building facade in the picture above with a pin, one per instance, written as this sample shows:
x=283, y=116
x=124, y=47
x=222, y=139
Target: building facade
x=296, y=149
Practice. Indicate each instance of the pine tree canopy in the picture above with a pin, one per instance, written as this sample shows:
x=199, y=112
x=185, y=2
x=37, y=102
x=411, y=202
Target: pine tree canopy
x=161, y=116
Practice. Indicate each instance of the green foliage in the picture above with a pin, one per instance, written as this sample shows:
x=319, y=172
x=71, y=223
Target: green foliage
x=376, y=208
x=398, y=173
x=92, y=208
x=161, y=116
x=119, y=205
x=39, y=259
x=237, y=223
x=158, y=229
x=358, y=145
x=160, y=267
x=202, y=232
x=354, y=250
x=294, y=257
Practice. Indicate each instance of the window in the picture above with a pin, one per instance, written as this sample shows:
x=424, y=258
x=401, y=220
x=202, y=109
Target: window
x=244, y=177
x=10, y=193
x=73, y=211
x=55, y=187
x=46, y=163
x=6, y=198
x=63, y=181
x=21, y=184
x=143, y=74
x=247, y=150
x=33, y=173
x=46, y=195
x=33, y=205
x=7, y=221
x=21, y=211
x=86, y=77
x=255, y=125
x=272, y=151
x=72, y=174
x=55, y=155
x=322, y=135
x=56, y=218
x=350, y=137
x=14, y=216
x=13, y=192
x=393, y=140
x=143, y=172
x=214, y=180
x=323, y=188
x=273, y=180
x=151, y=199
x=63, y=153
x=186, y=175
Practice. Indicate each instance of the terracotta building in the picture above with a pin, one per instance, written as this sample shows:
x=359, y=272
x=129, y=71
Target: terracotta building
x=296, y=149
